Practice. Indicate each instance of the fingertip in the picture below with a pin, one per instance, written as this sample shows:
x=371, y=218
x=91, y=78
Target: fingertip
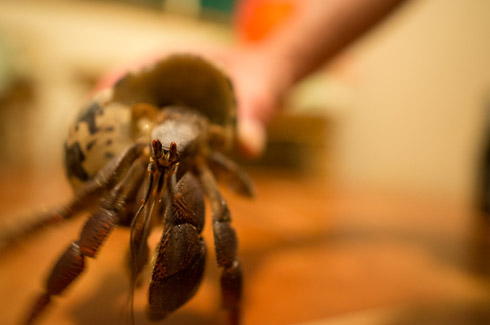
x=251, y=137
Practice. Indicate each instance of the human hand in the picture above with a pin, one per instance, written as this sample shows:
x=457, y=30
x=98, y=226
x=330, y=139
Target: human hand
x=260, y=86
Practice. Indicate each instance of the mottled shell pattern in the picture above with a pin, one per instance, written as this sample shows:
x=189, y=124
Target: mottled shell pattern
x=108, y=124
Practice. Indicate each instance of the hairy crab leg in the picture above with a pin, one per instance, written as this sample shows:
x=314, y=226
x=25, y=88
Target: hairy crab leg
x=226, y=246
x=95, y=231
x=84, y=198
x=181, y=256
x=227, y=171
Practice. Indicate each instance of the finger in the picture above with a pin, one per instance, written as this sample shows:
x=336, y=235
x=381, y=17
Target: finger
x=251, y=137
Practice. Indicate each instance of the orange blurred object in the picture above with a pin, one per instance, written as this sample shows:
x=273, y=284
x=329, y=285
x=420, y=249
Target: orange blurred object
x=255, y=19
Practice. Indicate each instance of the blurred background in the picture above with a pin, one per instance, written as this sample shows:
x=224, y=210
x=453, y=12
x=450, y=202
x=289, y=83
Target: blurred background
x=372, y=201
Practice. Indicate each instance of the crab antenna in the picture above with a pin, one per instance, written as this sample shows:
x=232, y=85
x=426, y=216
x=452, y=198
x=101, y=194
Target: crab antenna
x=136, y=253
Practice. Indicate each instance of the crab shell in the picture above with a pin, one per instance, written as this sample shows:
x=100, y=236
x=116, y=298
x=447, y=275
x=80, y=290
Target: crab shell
x=108, y=124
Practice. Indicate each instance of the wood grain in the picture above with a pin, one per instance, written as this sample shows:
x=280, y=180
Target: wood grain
x=311, y=252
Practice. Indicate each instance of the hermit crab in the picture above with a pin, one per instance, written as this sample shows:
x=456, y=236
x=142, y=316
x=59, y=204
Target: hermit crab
x=144, y=154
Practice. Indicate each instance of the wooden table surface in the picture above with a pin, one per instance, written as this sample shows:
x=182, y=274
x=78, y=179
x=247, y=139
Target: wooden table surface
x=311, y=252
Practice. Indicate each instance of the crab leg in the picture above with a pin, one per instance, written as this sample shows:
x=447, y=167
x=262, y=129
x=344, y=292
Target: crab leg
x=228, y=172
x=95, y=231
x=181, y=254
x=85, y=197
x=226, y=246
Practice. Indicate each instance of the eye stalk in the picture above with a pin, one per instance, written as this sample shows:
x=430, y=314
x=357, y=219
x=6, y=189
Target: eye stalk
x=172, y=153
x=162, y=156
x=157, y=149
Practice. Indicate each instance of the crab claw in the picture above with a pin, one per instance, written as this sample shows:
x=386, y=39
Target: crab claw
x=179, y=265
x=178, y=270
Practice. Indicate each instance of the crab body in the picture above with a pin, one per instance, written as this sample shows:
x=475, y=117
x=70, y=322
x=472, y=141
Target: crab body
x=145, y=154
x=117, y=117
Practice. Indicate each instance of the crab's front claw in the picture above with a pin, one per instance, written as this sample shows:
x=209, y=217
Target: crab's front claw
x=178, y=270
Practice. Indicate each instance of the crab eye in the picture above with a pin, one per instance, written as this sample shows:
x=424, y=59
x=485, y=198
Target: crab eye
x=157, y=148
